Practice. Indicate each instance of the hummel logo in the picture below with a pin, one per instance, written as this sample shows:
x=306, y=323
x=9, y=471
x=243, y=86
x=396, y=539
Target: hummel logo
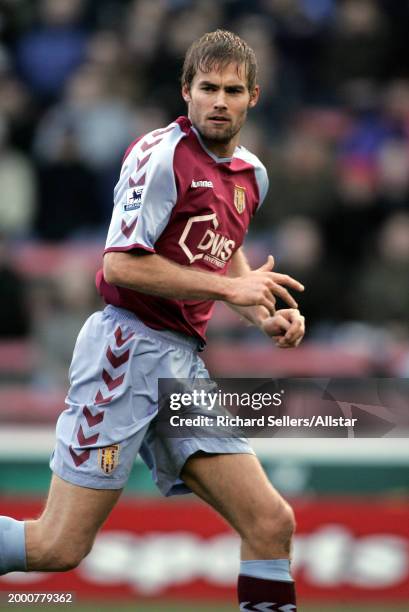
x=202, y=184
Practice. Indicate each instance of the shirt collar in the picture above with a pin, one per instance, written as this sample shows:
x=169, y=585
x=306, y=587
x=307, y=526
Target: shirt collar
x=218, y=160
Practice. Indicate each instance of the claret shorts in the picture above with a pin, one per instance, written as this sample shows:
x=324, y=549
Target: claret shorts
x=113, y=401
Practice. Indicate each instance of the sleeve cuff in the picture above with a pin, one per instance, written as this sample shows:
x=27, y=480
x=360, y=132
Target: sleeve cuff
x=131, y=247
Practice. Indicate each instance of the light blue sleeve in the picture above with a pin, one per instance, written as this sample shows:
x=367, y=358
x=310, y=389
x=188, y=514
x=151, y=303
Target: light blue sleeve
x=145, y=194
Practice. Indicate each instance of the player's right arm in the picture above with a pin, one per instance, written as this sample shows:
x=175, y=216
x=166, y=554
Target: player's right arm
x=157, y=275
x=144, y=199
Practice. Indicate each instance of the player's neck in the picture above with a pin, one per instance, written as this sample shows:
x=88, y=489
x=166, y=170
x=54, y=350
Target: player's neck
x=221, y=149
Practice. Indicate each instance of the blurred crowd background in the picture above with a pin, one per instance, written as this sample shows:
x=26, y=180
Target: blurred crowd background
x=80, y=79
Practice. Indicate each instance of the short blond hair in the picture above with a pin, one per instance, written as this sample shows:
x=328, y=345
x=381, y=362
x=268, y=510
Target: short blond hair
x=216, y=50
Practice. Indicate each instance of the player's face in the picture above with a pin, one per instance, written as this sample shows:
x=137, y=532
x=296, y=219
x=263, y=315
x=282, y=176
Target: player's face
x=218, y=102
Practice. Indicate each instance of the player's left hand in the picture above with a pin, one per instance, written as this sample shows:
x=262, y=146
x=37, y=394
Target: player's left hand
x=286, y=327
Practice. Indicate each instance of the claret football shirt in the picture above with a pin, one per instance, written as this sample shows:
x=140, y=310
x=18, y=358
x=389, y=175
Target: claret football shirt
x=177, y=199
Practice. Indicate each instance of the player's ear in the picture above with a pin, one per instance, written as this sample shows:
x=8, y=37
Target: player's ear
x=254, y=96
x=186, y=93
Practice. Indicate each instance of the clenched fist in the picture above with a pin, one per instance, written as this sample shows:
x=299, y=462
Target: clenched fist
x=286, y=327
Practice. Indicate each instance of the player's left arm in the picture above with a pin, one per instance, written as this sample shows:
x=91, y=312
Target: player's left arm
x=285, y=326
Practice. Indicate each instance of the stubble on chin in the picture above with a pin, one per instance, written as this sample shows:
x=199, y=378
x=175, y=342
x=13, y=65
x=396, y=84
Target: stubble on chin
x=217, y=136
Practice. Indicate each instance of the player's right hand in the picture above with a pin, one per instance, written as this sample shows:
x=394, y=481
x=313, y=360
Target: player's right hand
x=261, y=287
